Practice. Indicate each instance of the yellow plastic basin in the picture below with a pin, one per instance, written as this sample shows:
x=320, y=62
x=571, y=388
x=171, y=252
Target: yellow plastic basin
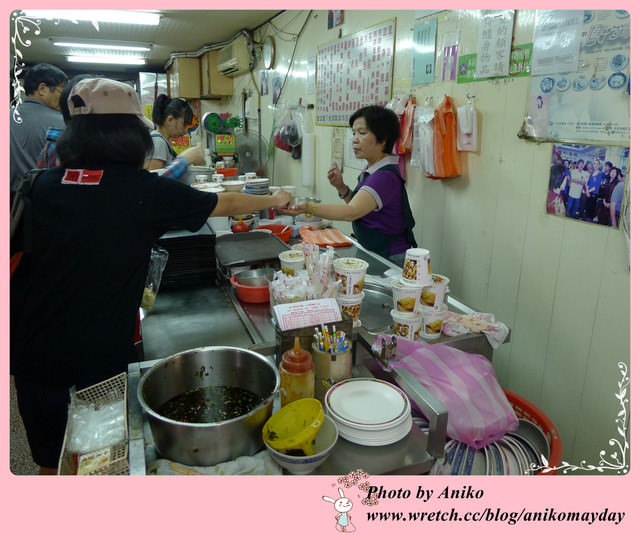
x=295, y=426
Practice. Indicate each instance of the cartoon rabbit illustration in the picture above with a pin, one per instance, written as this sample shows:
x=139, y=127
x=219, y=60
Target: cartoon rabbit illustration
x=342, y=506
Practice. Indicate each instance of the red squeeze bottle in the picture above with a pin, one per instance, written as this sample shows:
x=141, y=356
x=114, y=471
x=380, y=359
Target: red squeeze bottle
x=297, y=375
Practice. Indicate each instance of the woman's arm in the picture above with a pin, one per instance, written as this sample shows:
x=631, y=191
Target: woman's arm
x=154, y=163
x=359, y=206
x=231, y=203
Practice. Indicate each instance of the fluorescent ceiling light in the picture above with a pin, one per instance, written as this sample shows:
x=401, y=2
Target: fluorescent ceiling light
x=121, y=60
x=96, y=15
x=100, y=46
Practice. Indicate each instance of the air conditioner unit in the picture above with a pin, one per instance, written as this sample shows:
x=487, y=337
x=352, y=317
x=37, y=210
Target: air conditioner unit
x=234, y=59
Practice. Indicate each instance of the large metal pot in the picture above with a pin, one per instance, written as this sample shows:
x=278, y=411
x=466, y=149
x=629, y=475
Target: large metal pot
x=207, y=444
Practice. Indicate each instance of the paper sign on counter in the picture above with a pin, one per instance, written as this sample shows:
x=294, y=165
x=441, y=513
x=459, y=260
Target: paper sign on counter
x=307, y=313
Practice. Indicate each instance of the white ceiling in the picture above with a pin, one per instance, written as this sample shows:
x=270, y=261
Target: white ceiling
x=180, y=31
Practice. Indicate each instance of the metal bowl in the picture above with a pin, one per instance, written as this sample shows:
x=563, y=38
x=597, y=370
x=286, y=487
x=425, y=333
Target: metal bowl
x=205, y=444
x=255, y=278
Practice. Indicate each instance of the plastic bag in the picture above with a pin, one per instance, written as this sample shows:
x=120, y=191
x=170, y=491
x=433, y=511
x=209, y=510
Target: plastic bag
x=466, y=384
x=93, y=428
x=157, y=262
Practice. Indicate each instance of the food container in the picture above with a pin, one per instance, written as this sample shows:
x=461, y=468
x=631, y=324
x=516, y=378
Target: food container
x=323, y=444
x=291, y=261
x=246, y=218
x=255, y=278
x=250, y=293
x=283, y=232
x=351, y=305
x=232, y=186
x=351, y=272
x=205, y=444
x=405, y=296
x=294, y=426
x=432, y=319
x=433, y=295
x=406, y=325
x=417, y=267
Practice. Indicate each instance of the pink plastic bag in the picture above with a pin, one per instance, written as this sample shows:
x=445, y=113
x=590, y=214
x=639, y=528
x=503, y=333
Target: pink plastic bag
x=466, y=384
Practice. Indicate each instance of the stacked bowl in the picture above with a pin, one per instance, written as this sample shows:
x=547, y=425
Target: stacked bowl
x=369, y=411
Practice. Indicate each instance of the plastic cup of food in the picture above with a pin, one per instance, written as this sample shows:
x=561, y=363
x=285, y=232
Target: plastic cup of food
x=350, y=305
x=406, y=325
x=405, y=296
x=433, y=295
x=351, y=271
x=432, y=319
x=250, y=175
x=291, y=261
x=417, y=267
x=201, y=179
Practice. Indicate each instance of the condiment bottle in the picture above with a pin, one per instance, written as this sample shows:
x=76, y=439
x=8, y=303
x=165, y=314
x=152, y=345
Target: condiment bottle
x=297, y=374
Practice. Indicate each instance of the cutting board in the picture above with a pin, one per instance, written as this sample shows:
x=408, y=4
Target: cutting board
x=324, y=237
x=248, y=248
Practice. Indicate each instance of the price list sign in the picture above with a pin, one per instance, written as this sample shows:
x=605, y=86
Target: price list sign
x=353, y=72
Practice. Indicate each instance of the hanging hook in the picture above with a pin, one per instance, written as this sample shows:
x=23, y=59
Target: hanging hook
x=470, y=98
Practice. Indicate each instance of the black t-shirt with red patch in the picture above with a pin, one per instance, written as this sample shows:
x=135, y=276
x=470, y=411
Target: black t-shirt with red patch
x=74, y=301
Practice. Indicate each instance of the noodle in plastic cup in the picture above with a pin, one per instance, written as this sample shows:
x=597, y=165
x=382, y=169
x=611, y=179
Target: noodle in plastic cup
x=350, y=305
x=432, y=319
x=405, y=296
x=417, y=267
x=351, y=272
x=291, y=261
x=406, y=325
x=433, y=294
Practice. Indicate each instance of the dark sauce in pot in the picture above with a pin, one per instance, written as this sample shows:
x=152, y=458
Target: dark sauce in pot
x=209, y=404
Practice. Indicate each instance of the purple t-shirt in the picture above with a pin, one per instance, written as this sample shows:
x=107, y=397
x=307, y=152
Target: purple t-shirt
x=386, y=188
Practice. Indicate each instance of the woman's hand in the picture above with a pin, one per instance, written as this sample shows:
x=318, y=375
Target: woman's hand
x=283, y=200
x=335, y=178
x=193, y=155
x=300, y=208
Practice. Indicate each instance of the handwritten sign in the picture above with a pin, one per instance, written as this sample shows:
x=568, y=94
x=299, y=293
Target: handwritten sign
x=353, y=72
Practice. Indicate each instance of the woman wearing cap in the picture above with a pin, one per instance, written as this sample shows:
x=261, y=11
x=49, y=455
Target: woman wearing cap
x=378, y=207
x=173, y=118
x=75, y=298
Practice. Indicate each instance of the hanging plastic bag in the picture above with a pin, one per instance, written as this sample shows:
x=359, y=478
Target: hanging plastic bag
x=445, y=150
x=422, y=149
x=406, y=130
x=466, y=384
x=467, y=122
x=157, y=262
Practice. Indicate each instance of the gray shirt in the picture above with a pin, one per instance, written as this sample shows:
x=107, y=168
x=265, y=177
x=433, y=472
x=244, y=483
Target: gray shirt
x=27, y=137
x=161, y=149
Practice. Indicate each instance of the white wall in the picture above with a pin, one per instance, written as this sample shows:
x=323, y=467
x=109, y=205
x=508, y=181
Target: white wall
x=563, y=286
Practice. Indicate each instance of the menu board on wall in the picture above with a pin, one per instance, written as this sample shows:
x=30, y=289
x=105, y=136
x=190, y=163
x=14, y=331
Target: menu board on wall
x=354, y=71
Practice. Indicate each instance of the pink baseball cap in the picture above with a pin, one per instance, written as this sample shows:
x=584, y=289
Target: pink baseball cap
x=105, y=96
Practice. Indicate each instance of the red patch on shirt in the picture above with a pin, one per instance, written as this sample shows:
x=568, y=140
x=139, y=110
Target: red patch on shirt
x=82, y=176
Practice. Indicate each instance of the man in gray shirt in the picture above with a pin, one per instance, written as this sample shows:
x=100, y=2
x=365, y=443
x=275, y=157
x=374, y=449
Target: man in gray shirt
x=30, y=119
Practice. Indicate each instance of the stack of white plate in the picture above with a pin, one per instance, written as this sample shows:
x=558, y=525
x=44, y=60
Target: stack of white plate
x=368, y=411
x=258, y=186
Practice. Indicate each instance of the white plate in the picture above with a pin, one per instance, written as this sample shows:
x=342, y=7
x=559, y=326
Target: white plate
x=375, y=439
x=512, y=466
x=535, y=435
x=367, y=401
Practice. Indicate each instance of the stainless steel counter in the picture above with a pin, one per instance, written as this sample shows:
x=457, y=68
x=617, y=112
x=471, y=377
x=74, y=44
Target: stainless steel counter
x=211, y=315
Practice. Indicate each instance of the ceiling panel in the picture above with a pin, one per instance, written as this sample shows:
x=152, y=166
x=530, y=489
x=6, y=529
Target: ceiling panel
x=180, y=31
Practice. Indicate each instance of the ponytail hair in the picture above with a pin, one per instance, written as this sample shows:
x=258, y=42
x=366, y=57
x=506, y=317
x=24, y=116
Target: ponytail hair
x=165, y=106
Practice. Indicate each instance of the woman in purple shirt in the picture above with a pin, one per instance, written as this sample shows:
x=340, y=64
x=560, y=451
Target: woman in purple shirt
x=378, y=207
